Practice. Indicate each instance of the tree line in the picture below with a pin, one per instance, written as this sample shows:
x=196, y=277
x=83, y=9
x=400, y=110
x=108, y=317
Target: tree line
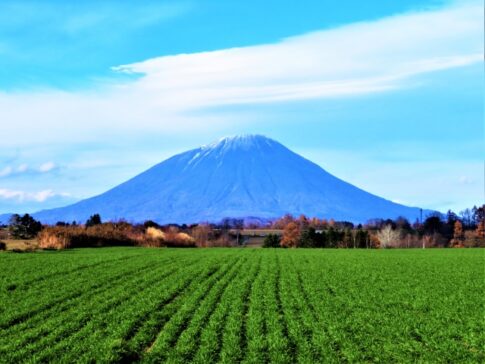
x=437, y=230
x=466, y=229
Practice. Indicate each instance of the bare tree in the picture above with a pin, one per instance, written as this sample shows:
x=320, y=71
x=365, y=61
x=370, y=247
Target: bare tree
x=388, y=237
x=201, y=234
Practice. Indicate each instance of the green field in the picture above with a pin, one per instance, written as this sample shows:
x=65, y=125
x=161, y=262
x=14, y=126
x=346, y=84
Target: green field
x=249, y=305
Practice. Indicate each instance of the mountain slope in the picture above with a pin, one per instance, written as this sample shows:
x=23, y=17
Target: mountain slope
x=4, y=218
x=234, y=177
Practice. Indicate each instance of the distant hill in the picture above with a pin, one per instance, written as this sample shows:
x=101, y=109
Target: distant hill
x=236, y=177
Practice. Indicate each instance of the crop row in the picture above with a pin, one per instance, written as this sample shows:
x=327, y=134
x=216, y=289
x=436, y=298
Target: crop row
x=241, y=305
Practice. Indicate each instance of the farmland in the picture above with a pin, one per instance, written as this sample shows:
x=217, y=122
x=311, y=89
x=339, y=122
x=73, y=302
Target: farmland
x=242, y=305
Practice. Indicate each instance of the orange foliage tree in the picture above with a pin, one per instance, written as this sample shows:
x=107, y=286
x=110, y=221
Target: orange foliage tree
x=303, y=222
x=291, y=235
x=458, y=235
x=283, y=221
x=480, y=232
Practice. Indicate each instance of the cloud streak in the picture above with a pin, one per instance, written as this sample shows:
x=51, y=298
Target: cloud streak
x=47, y=167
x=23, y=196
x=25, y=169
x=351, y=60
x=172, y=91
x=72, y=19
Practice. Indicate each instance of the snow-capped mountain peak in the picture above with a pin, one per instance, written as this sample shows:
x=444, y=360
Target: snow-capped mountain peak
x=237, y=176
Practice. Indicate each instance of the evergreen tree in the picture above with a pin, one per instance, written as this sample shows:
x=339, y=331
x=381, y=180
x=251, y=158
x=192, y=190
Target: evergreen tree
x=347, y=238
x=332, y=237
x=361, y=238
x=24, y=227
x=93, y=220
x=308, y=238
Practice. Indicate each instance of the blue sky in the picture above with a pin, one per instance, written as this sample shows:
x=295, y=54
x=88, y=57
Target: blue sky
x=387, y=96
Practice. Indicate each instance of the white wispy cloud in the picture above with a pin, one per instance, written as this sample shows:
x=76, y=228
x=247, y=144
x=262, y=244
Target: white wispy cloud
x=46, y=167
x=351, y=60
x=84, y=18
x=354, y=59
x=24, y=168
x=24, y=196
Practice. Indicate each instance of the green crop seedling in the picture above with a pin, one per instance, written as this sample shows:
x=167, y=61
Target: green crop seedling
x=242, y=305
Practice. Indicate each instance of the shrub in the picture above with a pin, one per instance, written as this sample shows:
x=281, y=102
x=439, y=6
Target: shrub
x=3, y=246
x=223, y=241
x=271, y=241
x=3, y=234
x=473, y=240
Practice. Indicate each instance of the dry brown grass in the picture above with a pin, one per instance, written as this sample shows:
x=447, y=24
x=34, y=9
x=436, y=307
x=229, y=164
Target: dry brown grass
x=21, y=245
x=222, y=241
x=155, y=233
x=49, y=239
x=108, y=234
x=169, y=238
x=111, y=234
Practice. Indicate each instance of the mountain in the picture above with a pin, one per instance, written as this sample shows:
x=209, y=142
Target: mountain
x=4, y=218
x=242, y=176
